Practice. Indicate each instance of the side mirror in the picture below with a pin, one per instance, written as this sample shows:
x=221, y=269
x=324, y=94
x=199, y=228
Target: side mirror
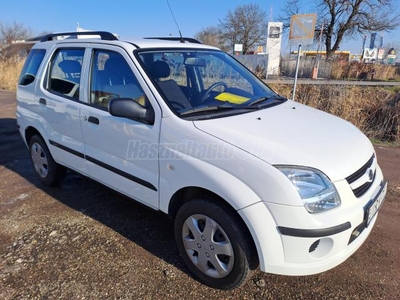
x=129, y=108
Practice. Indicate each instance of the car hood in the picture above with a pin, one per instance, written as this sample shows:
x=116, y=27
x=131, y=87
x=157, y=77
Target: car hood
x=295, y=134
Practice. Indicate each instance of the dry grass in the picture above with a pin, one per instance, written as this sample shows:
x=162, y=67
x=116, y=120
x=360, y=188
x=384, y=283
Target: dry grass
x=374, y=110
x=9, y=73
x=364, y=71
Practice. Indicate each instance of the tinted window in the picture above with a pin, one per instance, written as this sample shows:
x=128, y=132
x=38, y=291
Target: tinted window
x=31, y=66
x=65, y=72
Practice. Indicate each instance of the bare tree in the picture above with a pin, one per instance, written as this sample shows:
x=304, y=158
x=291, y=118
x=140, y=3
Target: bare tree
x=14, y=31
x=345, y=19
x=245, y=25
x=212, y=36
x=292, y=7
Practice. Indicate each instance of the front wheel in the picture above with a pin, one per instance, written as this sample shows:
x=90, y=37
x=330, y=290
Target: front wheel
x=50, y=173
x=213, y=244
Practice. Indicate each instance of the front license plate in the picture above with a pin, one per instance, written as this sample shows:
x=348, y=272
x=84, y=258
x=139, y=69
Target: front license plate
x=376, y=203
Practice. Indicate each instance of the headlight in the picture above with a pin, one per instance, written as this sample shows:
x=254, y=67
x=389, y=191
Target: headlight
x=315, y=189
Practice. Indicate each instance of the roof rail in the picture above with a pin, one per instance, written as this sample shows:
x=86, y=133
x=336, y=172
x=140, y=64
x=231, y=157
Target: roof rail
x=104, y=35
x=177, y=38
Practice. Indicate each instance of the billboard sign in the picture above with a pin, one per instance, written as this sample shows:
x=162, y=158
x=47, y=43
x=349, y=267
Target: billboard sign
x=381, y=53
x=372, y=41
x=370, y=54
x=238, y=48
x=274, y=32
x=302, y=28
x=391, y=59
x=273, y=47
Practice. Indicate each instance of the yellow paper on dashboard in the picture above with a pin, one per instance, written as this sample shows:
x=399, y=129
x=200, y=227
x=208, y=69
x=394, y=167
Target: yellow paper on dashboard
x=231, y=98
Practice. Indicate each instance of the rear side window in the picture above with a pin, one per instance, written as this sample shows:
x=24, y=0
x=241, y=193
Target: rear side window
x=64, y=75
x=31, y=66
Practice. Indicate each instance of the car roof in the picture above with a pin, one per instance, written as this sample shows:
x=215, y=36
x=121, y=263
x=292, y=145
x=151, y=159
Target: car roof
x=161, y=43
x=103, y=37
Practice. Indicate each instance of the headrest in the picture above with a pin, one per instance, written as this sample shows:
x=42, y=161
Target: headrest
x=116, y=64
x=70, y=66
x=160, y=69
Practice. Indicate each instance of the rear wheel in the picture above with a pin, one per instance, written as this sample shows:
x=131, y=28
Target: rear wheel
x=50, y=173
x=213, y=244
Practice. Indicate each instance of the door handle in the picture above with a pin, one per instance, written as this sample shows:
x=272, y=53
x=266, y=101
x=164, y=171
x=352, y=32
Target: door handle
x=94, y=120
x=42, y=101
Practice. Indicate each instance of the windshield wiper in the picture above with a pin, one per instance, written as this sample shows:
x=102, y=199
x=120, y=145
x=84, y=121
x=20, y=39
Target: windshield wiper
x=252, y=105
x=213, y=108
x=262, y=99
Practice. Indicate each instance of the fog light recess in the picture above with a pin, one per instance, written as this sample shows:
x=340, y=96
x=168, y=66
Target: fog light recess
x=314, y=246
x=321, y=247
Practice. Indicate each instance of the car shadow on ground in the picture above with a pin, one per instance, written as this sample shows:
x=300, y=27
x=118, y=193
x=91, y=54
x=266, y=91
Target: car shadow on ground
x=147, y=228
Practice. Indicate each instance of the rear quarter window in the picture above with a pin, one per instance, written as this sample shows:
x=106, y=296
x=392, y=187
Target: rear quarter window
x=31, y=66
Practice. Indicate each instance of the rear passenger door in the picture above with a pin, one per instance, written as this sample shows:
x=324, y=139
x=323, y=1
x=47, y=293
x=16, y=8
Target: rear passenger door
x=59, y=103
x=121, y=153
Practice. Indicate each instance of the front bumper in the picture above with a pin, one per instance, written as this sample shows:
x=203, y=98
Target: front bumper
x=291, y=241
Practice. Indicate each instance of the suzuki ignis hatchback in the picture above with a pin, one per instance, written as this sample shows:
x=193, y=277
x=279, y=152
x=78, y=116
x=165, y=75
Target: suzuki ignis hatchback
x=249, y=178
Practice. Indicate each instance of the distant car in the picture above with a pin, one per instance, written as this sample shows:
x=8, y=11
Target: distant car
x=249, y=178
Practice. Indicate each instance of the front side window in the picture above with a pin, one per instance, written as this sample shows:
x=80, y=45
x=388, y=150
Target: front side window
x=65, y=72
x=112, y=77
x=205, y=83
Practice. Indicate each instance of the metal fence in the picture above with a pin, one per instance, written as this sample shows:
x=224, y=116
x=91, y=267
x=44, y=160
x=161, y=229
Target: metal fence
x=258, y=64
x=288, y=68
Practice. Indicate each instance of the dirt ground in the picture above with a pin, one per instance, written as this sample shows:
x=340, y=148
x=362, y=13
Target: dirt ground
x=83, y=241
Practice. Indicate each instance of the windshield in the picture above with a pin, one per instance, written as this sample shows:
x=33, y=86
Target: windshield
x=200, y=83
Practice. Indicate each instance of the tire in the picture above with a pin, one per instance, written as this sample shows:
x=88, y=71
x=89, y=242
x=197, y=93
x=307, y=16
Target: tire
x=50, y=173
x=213, y=243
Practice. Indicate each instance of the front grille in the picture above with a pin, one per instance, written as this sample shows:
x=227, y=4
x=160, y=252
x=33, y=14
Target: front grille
x=357, y=174
x=358, y=192
x=363, y=188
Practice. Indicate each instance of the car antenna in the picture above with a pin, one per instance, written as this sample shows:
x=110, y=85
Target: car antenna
x=176, y=23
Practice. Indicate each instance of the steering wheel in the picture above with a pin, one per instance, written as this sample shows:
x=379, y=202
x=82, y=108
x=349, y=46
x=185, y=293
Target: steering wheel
x=213, y=86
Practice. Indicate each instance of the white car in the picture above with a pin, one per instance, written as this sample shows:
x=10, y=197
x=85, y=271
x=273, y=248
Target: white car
x=249, y=178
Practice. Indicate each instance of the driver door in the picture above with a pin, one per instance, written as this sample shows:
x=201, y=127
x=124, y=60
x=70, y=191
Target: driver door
x=121, y=153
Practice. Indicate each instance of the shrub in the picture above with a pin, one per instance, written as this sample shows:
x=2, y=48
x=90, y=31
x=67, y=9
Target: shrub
x=9, y=72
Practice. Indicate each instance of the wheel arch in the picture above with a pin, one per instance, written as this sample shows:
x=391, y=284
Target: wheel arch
x=30, y=132
x=183, y=195
x=187, y=193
